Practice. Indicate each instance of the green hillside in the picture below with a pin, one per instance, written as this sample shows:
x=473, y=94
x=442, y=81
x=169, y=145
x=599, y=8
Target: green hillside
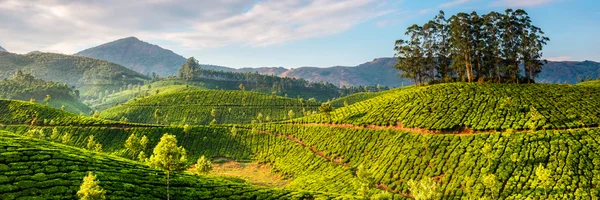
x=193, y=106
x=36, y=169
x=307, y=170
x=356, y=97
x=139, y=91
x=459, y=106
x=462, y=164
x=25, y=87
x=20, y=112
x=87, y=74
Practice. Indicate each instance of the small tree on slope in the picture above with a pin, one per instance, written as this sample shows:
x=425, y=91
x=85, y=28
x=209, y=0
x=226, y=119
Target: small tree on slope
x=90, y=189
x=424, y=189
x=203, y=165
x=168, y=157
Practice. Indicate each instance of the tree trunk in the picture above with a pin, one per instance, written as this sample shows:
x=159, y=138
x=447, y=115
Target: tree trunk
x=168, y=196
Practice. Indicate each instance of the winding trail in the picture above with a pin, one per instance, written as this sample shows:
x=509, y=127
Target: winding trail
x=336, y=160
x=462, y=131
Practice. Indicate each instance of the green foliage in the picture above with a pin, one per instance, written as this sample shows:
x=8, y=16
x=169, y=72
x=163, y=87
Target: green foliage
x=458, y=106
x=23, y=86
x=468, y=47
x=87, y=74
x=424, y=189
x=43, y=170
x=224, y=107
x=544, y=177
x=203, y=165
x=134, y=145
x=90, y=188
x=168, y=157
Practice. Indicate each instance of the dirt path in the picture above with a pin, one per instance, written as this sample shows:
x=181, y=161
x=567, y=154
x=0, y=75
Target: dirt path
x=463, y=131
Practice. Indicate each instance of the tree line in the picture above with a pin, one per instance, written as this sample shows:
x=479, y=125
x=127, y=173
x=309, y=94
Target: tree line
x=494, y=47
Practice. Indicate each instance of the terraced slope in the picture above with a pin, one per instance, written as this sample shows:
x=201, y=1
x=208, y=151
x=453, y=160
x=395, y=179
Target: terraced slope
x=36, y=169
x=140, y=91
x=355, y=98
x=460, y=106
x=20, y=112
x=461, y=164
x=196, y=107
x=309, y=170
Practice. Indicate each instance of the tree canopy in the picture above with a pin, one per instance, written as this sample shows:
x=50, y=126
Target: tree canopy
x=467, y=47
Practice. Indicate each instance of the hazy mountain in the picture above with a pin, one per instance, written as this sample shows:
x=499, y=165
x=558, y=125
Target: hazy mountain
x=73, y=70
x=2, y=49
x=147, y=58
x=140, y=56
x=569, y=71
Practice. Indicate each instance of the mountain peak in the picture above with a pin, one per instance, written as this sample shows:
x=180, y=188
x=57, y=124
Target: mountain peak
x=137, y=55
x=2, y=49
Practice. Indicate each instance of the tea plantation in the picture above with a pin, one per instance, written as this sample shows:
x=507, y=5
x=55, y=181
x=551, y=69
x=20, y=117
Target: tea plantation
x=458, y=106
x=203, y=106
x=36, y=169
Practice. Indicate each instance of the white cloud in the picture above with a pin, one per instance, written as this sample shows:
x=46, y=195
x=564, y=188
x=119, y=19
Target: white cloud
x=521, y=3
x=453, y=3
x=68, y=26
x=559, y=58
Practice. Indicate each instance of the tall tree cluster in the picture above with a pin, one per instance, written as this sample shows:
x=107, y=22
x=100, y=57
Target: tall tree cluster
x=495, y=47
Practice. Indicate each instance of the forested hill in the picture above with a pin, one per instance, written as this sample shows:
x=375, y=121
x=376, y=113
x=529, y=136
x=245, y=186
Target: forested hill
x=140, y=56
x=73, y=70
x=25, y=87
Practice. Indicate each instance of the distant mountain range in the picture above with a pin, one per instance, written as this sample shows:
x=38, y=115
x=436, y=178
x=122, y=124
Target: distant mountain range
x=146, y=58
x=2, y=49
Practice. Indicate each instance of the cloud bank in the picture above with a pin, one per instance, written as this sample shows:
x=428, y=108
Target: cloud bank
x=67, y=26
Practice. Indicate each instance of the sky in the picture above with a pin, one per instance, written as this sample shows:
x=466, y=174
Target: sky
x=274, y=33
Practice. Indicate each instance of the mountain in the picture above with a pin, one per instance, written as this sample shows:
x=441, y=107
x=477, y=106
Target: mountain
x=381, y=71
x=2, y=49
x=569, y=71
x=146, y=58
x=75, y=71
x=140, y=56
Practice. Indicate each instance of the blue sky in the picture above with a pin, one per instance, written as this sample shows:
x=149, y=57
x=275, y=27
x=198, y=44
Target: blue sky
x=272, y=33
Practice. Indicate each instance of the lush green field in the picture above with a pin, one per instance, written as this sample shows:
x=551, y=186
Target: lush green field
x=194, y=106
x=475, y=106
x=20, y=112
x=461, y=163
x=308, y=170
x=367, y=160
x=355, y=98
x=36, y=169
x=140, y=91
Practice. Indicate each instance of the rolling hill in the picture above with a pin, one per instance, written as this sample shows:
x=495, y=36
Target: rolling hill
x=37, y=169
x=25, y=87
x=20, y=112
x=87, y=74
x=460, y=106
x=195, y=107
x=347, y=159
